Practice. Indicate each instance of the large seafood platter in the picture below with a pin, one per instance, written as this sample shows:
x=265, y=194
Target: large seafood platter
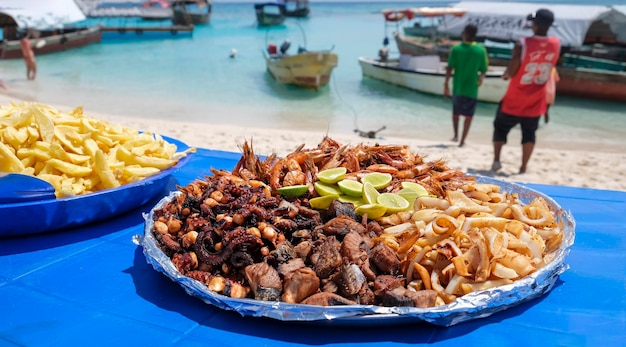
x=357, y=233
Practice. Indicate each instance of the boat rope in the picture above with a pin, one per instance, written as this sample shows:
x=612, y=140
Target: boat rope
x=367, y=134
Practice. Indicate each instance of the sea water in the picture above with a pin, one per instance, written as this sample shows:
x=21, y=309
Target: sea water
x=193, y=78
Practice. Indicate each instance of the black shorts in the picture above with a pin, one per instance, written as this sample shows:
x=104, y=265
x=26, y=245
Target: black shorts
x=463, y=105
x=503, y=124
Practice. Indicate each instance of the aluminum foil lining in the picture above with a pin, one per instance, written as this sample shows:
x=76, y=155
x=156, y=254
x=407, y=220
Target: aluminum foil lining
x=468, y=307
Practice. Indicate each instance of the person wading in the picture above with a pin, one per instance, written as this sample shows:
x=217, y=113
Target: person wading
x=29, y=57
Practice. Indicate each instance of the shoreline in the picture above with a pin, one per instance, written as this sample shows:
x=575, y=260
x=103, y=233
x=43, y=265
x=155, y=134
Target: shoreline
x=575, y=168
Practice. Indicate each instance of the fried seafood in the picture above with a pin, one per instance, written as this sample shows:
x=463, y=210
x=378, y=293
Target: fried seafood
x=302, y=165
x=232, y=232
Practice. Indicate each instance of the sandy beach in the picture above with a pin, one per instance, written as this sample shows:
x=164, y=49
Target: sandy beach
x=575, y=168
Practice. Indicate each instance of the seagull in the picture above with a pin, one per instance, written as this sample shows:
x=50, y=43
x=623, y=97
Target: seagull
x=233, y=53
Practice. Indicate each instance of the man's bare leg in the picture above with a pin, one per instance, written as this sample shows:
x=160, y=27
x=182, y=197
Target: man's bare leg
x=527, y=151
x=455, y=127
x=497, y=148
x=466, y=127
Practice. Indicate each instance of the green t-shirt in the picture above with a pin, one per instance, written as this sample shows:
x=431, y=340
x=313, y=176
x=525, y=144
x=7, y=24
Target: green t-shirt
x=467, y=59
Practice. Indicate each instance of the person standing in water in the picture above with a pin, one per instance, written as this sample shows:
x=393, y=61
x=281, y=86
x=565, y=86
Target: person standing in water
x=525, y=99
x=468, y=61
x=29, y=56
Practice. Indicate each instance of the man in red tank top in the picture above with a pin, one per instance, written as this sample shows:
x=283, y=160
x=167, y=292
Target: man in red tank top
x=525, y=99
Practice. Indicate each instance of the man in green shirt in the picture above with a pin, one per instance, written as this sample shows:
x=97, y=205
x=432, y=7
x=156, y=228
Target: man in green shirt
x=468, y=61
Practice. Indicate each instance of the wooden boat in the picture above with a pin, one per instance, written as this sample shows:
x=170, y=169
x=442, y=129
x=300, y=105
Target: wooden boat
x=156, y=10
x=593, y=46
x=270, y=13
x=297, y=8
x=306, y=69
x=144, y=9
x=52, y=41
x=426, y=74
x=420, y=21
x=50, y=24
x=191, y=12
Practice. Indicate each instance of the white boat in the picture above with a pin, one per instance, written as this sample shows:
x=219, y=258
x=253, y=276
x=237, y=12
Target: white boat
x=593, y=41
x=426, y=74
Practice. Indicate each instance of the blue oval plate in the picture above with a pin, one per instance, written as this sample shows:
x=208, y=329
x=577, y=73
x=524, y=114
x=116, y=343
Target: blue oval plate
x=36, y=217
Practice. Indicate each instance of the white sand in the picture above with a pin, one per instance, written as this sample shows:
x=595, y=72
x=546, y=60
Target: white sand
x=576, y=168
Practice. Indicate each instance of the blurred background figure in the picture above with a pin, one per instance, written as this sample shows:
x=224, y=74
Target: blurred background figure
x=551, y=92
x=29, y=56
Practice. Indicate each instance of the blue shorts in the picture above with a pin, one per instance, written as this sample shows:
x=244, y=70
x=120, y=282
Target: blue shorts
x=504, y=122
x=463, y=105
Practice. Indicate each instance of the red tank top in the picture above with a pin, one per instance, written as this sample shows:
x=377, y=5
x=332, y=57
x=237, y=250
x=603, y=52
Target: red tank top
x=526, y=94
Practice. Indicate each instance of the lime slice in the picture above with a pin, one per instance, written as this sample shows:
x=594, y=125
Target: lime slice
x=333, y=175
x=322, y=202
x=393, y=202
x=416, y=187
x=370, y=194
x=410, y=195
x=293, y=191
x=378, y=179
x=373, y=211
x=354, y=200
x=324, y=189
x=351, y=187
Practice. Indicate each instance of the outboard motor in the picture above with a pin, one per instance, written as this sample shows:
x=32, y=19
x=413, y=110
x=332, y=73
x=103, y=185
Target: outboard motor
x=285, y=46
x=383, y=54
x=271, y=48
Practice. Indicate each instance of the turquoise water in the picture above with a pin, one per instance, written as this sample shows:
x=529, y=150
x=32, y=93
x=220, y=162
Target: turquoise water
x=193, y=79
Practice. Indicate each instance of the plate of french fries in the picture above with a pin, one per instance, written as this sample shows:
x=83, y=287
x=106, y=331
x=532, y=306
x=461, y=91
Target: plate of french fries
x=98, y=169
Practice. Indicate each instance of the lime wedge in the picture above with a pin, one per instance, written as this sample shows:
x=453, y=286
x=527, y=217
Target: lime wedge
x=410, y=195
x=354, y=200
x=416, y=187
x=377, y=179
x=351, y=187
x=293, y=191
x=324, y=189
x=322, y=202
x=373, y=211
x=370, y=194
x=393, y=202
x=333, y=175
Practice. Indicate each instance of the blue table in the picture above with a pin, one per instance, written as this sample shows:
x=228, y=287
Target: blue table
x=92, y=285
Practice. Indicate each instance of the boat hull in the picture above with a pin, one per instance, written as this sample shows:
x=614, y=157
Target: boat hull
x=181, y=18
x=590, y=83
x=265, y=19
x=430, y=81
x=269, y=14
x=297, y=8
x=575, y=81
x=189, y=13
x=55, y=43
x=307, y=70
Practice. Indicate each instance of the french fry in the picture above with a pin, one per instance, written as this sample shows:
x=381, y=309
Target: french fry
x=104, y=171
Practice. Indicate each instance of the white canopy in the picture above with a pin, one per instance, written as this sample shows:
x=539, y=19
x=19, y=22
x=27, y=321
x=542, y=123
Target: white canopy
x=39, y=14
x=507, y=21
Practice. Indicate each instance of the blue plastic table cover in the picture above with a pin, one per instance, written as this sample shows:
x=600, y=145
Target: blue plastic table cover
x=92, y=285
